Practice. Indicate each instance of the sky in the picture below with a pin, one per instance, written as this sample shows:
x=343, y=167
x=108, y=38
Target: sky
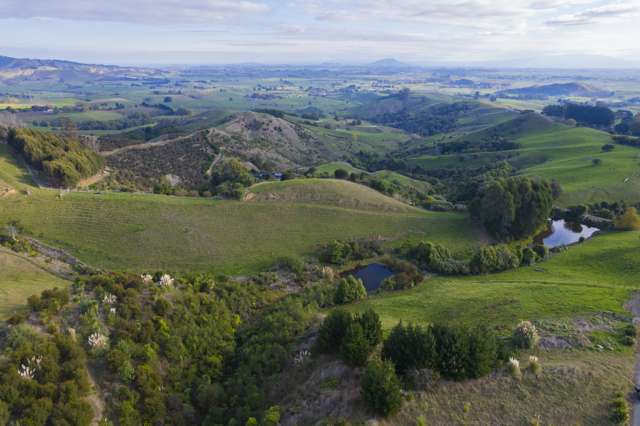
x=421, y=32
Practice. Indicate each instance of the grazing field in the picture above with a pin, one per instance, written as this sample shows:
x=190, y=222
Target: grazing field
x=19, y=279
x=567, y=156
x=596, y=276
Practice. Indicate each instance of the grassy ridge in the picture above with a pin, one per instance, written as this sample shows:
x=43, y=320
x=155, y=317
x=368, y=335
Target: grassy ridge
x=20, y=279
x=596, y=276
x=145, y=232
x=388, y=176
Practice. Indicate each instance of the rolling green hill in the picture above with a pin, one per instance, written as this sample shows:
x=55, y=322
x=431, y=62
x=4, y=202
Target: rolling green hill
x=593, y=277
x=389, y=176
x=327, y=192
x=137, y=232
x=559, y=152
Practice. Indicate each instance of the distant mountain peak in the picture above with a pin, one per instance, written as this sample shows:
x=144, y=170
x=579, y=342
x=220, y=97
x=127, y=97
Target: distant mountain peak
x=389, y=63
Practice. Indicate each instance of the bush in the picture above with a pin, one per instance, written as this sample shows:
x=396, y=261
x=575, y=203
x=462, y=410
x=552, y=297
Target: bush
x=628, y=221
x=350, y=289
x=339, y=252
x=620, y=412
x=381, y=388
x=525, y=336
x=514, y=368
x=534, y=366
x=436, y=258
x=494, y=259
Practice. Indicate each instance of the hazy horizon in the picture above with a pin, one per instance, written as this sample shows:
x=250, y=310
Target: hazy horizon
x=529, y=33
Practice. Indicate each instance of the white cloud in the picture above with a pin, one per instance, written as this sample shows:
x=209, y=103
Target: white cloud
x=158, y=12
x=595, y=14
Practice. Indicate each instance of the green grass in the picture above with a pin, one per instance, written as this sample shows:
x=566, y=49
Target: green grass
x=391, y=177
x=596, y=276
x=21, y=278
x=328, y=192
x=146, y=232
x=137, y=232
x=564, y=154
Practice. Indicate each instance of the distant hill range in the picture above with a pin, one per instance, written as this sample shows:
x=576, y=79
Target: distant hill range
x=556, y=89
x=389, y=64
x=54, y=70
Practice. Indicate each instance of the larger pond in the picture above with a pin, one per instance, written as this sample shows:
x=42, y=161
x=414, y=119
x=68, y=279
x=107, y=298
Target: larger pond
x=372, y=275
x=563, y=233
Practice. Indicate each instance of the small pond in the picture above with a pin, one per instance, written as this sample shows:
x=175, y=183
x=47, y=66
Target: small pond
x=372, y=275
x=562, y=233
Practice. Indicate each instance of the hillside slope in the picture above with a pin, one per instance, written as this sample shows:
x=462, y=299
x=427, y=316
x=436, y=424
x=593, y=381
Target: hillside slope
x=137, y=232
x=328, y=192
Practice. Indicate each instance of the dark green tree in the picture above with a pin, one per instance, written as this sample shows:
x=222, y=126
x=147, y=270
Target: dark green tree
x=410, y=347
x=381, y=388
x=355, y=347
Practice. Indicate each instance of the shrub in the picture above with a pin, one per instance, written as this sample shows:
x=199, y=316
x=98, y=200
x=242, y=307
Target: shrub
x=355, y=347
x=525, y=336
x=339, y=252
x=620, y=410
x=534, y=366
x=381, y=388
x=494, y=259
x=514, y=368
x=349, y=290
x=436, y=258
x=271, y=416
x=628, y=221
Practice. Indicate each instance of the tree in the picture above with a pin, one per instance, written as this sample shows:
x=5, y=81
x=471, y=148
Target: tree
x=341, y=174
x=410, y=347
x=381, y=388
x=231, y=171
x=482, y=347
x=349, y=290
x=355, y=347
x=514, y=207
x=332, y=331
x=628, y=221
x=371, y=326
